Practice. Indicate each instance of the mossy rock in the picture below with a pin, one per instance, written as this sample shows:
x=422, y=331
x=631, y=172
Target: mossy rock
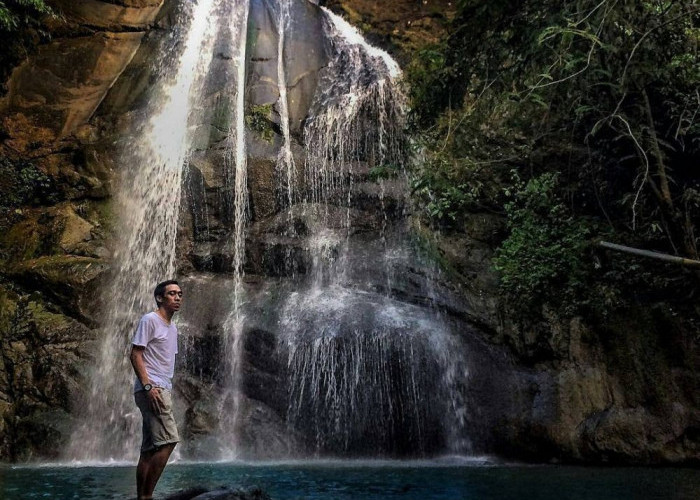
x=23, y=241
x=8, y=309
x=258, y=119
x=24, y=183
x=65, y=228
x=56, y=269
x=67, y=280
x=44, y=434
x=42, y=353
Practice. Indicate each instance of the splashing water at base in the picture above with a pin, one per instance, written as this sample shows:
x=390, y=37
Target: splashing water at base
x=149, y=204
x=369, y=375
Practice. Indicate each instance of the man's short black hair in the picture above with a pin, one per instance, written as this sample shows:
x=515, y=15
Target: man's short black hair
x=160, y=289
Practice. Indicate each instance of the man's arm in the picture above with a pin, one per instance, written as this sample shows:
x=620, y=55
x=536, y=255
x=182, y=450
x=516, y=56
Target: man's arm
x=137, y=362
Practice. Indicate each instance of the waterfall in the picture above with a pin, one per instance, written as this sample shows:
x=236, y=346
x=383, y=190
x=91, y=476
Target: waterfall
x=148, y=207
x=236, y=164
x=358, y=117
x=285, y=160
x=367, y=374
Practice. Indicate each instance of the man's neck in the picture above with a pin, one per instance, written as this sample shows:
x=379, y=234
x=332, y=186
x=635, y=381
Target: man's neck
x=166, y=315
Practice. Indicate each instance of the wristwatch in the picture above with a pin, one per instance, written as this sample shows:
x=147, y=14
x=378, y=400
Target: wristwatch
x=147, y=387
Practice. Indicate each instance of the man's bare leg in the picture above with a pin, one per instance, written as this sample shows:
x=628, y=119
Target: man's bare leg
x=142, y=473
x=149, y=470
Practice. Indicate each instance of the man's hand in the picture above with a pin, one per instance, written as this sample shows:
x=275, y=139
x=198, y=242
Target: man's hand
x=154, y=397
x=155, y=400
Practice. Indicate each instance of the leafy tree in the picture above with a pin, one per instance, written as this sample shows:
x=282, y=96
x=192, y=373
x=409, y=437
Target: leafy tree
x=21, y=30
x=14, y=14
x=541, y=258
x=603, y=94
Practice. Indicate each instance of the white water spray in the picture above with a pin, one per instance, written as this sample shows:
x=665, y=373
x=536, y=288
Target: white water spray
x=359, y=117
x=149, y=204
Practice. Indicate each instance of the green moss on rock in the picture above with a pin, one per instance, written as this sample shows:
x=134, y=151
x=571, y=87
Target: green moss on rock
x=258, y=119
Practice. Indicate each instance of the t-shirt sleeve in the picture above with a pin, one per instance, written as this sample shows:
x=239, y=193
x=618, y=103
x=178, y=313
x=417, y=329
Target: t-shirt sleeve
x=144, y=333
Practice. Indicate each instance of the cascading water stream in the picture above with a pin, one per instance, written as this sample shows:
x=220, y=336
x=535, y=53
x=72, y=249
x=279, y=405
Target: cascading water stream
x=367, y=374
x=359, y=117
x=236, y=165
x=285, y=160
x=356, y=123
x=149, y=205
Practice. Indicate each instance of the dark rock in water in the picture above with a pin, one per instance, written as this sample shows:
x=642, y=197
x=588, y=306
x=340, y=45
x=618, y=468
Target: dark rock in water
x=220, y=494
x=188, y=494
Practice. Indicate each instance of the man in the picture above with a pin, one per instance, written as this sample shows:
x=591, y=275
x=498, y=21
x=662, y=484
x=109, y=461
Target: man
x=153, y=357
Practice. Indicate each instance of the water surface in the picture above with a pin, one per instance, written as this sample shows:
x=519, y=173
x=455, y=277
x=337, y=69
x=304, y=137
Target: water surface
x=362, y=480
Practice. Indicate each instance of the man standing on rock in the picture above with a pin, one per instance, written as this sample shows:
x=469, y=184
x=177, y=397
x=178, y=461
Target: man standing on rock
x=153, y=357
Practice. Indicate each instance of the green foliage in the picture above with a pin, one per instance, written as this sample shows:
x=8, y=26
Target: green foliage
x=21, y=29
x=15, y=14
x=601, y=96
x=428, y=76
x=381, y=172
x=444, y=195
x=445, y=202
x=467, y=156
x=258, y=119
x=24, y=184
x=543, y=260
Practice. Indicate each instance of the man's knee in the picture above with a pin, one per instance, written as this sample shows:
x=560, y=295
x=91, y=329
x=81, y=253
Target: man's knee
x=169, y=446
x=165, y=450
x=158, y=450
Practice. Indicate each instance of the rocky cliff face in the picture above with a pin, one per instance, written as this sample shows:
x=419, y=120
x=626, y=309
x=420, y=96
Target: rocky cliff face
x=622, y=391
x=55, y=216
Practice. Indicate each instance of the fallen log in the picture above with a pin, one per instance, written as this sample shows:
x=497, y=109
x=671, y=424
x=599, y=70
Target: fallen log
x=648, y=253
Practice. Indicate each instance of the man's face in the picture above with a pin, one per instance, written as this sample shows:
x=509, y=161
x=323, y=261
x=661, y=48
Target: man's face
x=172, y=297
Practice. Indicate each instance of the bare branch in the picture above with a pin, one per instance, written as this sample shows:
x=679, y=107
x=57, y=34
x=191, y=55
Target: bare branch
x=646, y=168
x=591, y=12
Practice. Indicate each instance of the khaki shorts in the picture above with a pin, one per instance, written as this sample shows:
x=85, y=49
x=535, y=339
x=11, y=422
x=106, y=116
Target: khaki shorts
x=158, y=428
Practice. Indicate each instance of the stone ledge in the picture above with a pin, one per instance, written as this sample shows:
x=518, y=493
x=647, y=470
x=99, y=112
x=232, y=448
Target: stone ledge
x=126, y=15
x=58, y=89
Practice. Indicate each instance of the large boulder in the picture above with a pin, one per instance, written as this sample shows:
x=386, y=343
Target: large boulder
x=43, y=355
x=58, y=89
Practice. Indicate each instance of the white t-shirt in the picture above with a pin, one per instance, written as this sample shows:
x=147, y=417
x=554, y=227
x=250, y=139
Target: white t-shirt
x=160, y=342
